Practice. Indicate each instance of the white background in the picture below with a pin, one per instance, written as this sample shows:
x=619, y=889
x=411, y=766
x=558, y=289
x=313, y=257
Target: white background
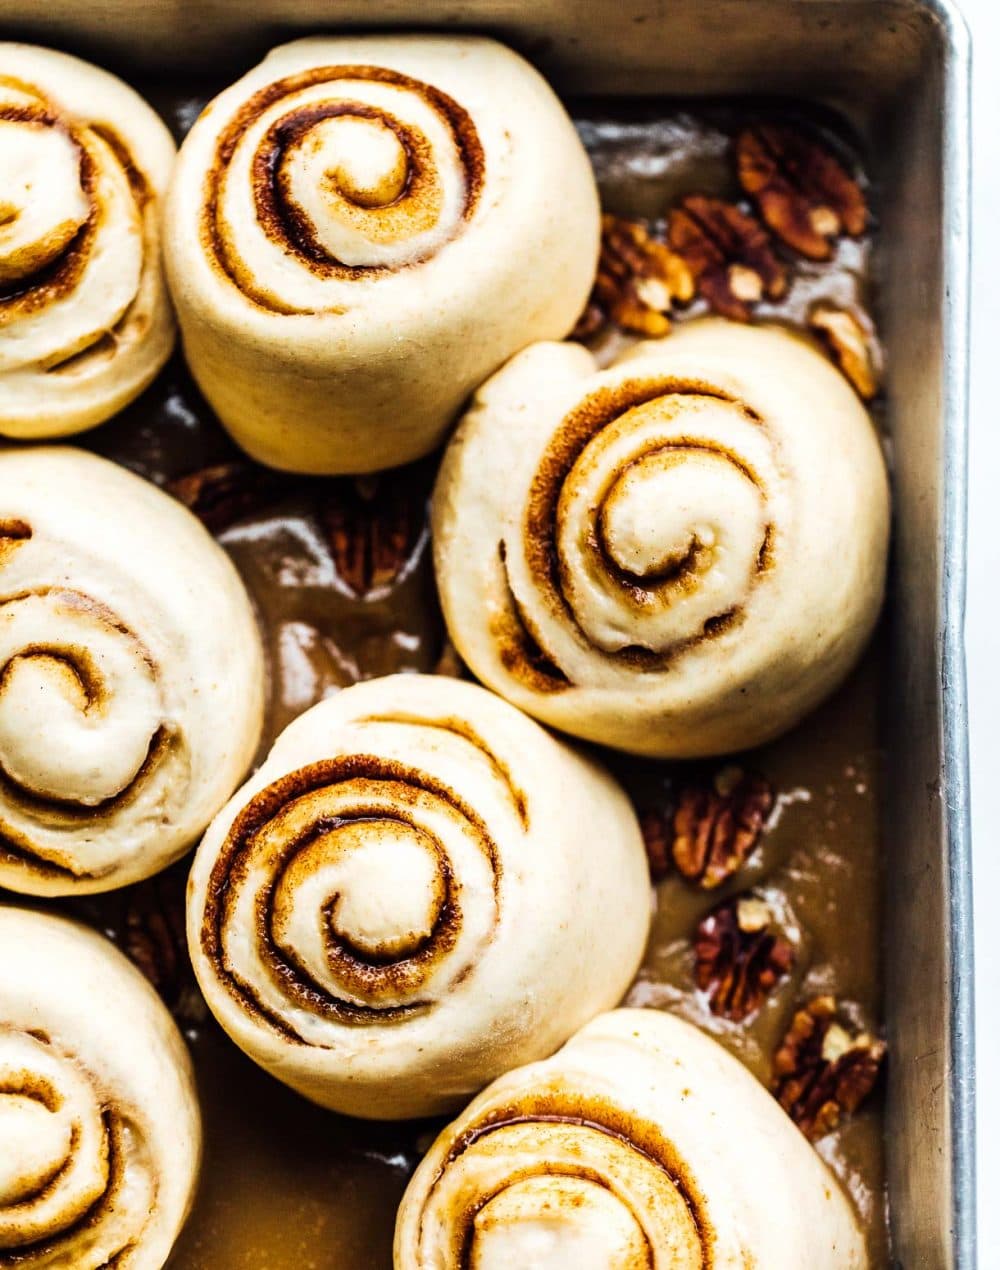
x=983, y=611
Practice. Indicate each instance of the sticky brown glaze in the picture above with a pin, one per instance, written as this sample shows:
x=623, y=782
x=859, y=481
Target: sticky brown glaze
x=286, y=1185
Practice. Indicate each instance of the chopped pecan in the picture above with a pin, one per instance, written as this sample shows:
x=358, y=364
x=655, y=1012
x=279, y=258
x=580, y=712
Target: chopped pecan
x=450, y=664
x=822, y=1069
x=638, y=281
x=658, y=840
x=716, y=827
x=226, y=492
x=152, y=933
x=852, y=343
x=729, y=254
x=373, y=526
x=740, y=954
x=802, y=190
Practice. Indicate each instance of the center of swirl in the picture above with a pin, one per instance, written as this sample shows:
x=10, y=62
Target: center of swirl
x=79, y=701
x=336, y=174
x=657, y=524
x=36, y=1143
x=553, y=1222
x=389, y=887
x=42, y=202
x=367, y=162
x=674, y=512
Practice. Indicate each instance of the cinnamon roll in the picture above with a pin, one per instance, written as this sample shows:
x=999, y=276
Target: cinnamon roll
x=419, y=889
x=361, y=229
x=100, y=1135
x=686, y=552
x=85, y=323
x=131, y=675
x=642, y=1142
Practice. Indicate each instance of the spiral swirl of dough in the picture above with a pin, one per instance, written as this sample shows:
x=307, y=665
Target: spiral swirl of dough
x=125, y=639
x=347, y=221
x=99, y=1123
x=349, y=169
x=641, y=1144
x=85, y=323
x=688, y=550
x=399, y=904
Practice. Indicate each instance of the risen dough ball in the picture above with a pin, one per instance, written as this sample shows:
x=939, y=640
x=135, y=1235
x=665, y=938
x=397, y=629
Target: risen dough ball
x=678, y=556
x=85, y=323
x=100, y=1135
x=361, y=229
x=642, y=1143
x=131, y=675
x=418, y=890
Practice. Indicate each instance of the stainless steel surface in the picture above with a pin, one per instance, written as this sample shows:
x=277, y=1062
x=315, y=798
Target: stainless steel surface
x=899, y=69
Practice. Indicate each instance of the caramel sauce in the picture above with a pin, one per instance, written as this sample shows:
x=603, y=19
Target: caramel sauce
x=288, y=1186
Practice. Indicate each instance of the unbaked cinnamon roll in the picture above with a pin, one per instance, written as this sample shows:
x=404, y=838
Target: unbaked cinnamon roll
x=680, y=555
x=419, y=889
x=361, y=229
x=131, y=675
x=85, y=323
x=641, y=1143
x=100, y=1135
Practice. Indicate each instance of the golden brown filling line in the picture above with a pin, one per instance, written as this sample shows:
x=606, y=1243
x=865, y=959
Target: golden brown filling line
x=406, y=203
x=320, y=810
x=97, y=1192
x=340, y=574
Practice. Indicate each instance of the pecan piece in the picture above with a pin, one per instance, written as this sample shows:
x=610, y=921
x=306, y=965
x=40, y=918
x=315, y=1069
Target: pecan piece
x=152, y=935
x=729, y=254
x=740, y=955
x=658, y=840
x=150, y=939
x=226, y=492
x=373, y=526
x=852, y=344
x=638, y=281
x=804, y=193
x=717, y=827
x=449, y=663
x=823, y=1070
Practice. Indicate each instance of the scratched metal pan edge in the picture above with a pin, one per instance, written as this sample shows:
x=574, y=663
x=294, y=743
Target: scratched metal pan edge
x=899, y=69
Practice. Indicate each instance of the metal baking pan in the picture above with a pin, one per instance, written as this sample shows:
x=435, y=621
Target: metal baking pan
x=899, y=71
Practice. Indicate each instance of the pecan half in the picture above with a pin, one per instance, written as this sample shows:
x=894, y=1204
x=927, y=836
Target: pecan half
x=740, y=955
x=226, y=492
x=638, y=281
x=657, y=836
x=152, y=935
x=822, y=1070
x=717, y=827
x=803, y=192
x=373, y=526
x=729, y=254
x=853, y=346
x=450, y=664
